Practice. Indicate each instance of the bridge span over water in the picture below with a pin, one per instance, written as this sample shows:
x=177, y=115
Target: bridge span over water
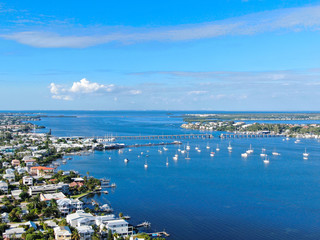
x=177, y=136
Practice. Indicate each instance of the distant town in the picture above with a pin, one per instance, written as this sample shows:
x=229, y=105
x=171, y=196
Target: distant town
x=40, y=202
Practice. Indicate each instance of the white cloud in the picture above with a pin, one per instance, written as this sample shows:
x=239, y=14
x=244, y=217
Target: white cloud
x=85, y=87
x=303, y=18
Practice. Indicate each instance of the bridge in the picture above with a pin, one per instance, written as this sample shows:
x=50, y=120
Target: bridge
x=239, y=135
x=177, y=136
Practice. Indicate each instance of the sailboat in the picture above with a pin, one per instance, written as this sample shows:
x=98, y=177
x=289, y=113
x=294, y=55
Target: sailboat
x=146, y=165
x=212, y=154
x=208, y=147
x=250, y=150
x=167, y=163
x=244, y=155
x=126, y=160
x=188, y=146
x=217, y=149
x=187, y=158
x=229, y=147
x=266, y=160
x=263, y=153
x=305, y=154
x=275, y=153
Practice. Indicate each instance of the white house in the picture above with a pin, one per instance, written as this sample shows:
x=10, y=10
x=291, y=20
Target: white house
x=67, y=205
x=85, y=232
x=17, y=232
x=80, y=218
x=4, y=187
x=5, y=217
x=9, y=177
x=119, y=226
x=62, y=233
x=27, y=180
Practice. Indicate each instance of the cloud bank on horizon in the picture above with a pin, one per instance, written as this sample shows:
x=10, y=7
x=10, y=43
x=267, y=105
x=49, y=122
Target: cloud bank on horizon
x=85, y=87
x=290, y=19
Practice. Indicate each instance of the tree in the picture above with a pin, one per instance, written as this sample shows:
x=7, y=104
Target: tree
x=110, y=237
x=75, y=234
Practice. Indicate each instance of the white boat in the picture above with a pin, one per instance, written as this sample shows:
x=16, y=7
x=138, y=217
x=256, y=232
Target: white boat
x=183, y=151
x=188, y=147
x=244, y=155
x=141, y=153
x=305, y=154
x=212, y=154
x=167, y=163
x=250, y=150
x=165, y=149
x=263, y=153
x=129, y=149
x=208, y=147
x=287, y=139
x=297, y=141
x=196, y=148
x=229, y=148
x=159, y=151
x=126, y=160
x=275, y=154
x=179, y=150
x=305, y=158
x=266, y=161
x=217, y=149
x=175, y=158
x=146, y=165
x=199, y=150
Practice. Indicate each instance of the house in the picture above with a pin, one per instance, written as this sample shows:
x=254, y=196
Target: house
x=30, y=162
x=101, y=220
x=9, y=171
x=85, y=232
x=4, y=187
x=27, y=180
x=62, y=233
x=13, y=232
x=119, y=226
x=21, y=170
x=5, y=217
x=76, y=184
x=5, y=164
x=9, y=177
x=41, y=171
x=67, y=205
x=15, y=162
x=50, y=188
x=50, y=196
x=80, y=218
x=16, y=194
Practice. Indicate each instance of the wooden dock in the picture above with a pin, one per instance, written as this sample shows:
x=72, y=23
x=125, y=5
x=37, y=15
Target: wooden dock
x=159, y=234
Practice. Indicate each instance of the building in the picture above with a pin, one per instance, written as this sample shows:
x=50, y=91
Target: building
x=67, y=205
x=62, y=233
x=80, y=218
x=15, y=162
x=30, y=162
x=5, y=217
x=41, y=171
x=50, y=196
x=51, y=188
x=13, y=232
x=9, y=177
x=119, y=226
x=27, y=180
x=4, y=187
x=85, y=232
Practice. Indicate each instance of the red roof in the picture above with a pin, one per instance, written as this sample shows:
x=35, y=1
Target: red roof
x=41, y=168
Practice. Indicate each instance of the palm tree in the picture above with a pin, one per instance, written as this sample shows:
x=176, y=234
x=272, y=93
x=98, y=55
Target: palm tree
x=75, y=235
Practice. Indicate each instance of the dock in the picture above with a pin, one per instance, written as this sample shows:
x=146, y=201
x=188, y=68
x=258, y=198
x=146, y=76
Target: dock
x=159, y=234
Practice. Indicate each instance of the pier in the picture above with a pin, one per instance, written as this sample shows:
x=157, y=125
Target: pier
x=239, y=135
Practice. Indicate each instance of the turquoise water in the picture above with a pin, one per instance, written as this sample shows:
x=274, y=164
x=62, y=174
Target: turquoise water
x=220, y=197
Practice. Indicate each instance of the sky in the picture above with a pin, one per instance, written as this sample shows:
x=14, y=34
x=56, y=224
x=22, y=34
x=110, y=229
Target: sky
x=224, y=55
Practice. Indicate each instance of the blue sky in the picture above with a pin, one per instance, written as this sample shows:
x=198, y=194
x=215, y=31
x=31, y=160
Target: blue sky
x=160, y=55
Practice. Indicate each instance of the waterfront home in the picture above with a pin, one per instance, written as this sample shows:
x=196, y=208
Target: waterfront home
x=50, y=196
x=80, y=218
x=30, y=162
x=21, y=170
x=62, y=233
x=41, y=171
x=4, y=187
x=85, y=232
x=51, y=188
x=9, y=177
x=67, y=205
x=119, y=226
x=102, y=220
x=76, y=184
x=13, y=233
x=15, y=162
x=27, y=180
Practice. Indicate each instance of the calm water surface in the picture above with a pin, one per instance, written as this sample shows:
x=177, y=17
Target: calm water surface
x=220, y=197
